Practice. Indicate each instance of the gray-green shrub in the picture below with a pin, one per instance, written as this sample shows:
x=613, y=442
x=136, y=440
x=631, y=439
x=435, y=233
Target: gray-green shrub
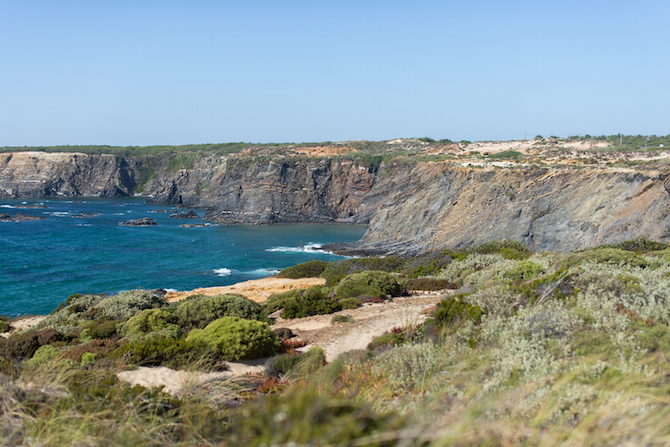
x=371, y=283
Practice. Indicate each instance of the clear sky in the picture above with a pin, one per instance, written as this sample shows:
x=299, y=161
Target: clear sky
x=178, y=72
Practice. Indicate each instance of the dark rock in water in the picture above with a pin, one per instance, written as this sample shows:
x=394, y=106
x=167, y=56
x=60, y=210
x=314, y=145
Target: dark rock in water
x=188, y=215
x=19, y=217
x=196, y=225
x=162, y=211
x=143, y=222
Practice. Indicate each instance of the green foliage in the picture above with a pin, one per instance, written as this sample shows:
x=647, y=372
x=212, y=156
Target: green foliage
x=369, y=283
x=502, y=155
x=428, y=284
x=276, y=301
x=338, y=270
x=640, y=245
x=612, y=256
x=23, y=345
x=453, y=311
x=342, y=319
x=234, y=338
x=655, y=338
x=350, y=303
x=43, y=355
x=129, y=303
x=4, y=326
x=507, y=249
x=199, y=312
x=387, y=340
x=149, y=320
x=301, y=364
x=304, y=416
x=167, y=351
x=100, y=347
x=524, y=270
x=308, y=269
x=88, y=358
x=99, y=330
x=313, y=301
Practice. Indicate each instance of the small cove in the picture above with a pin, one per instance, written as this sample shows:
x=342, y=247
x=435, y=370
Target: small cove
x=80, y=248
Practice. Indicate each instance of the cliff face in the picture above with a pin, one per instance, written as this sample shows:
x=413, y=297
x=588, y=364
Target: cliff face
x=410, y=210
x=40, y=174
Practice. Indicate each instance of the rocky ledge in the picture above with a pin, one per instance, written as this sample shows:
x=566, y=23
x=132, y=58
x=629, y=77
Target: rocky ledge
x=19, y=217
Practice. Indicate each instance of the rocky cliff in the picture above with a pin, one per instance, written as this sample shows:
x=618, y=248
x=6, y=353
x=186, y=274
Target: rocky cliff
x=411, y=208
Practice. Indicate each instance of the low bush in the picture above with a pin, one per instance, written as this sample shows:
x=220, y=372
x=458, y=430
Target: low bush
x=301, y=364
x=88, y=358
x=43, y=355
x=387, y=340
x=453, y=311
x=22, y=346
x=199, y=312
x=166, y=351
x=149, y=320
x=314, y=301
x=234, y=338
x=335, y=272
x=4, y=326
x=612, y=256
x=350, y=303
x=640, y=245
x=427, y=265
x=307, y=269
x=428, y=284
x=507, y=249
x=276, y=301
x=128, y=304
x=342, y=319
x=100, y=347
x=98, y=330
x=371, y=283
x=524, y=270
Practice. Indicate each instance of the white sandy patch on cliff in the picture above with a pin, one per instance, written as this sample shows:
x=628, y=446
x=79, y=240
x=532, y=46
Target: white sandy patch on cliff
x=257, y=290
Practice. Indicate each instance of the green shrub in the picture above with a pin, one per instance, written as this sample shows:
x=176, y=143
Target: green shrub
x=452, y=312
x=307, y=269
x=335, y=272
x=166, y=351
x=507, y=249
x=234, y=338
x=100, y=347
x=429, y=284
x=149, y=320
x=342, y=319
x=371, y=283
x=43, y=355
x=387, y=340
x=314, y=301
x=640, y=245
x=88, y=358
x=4, y=326
x=99, y=330
x=303, y=364
x=613, y=256
x=128, y=304
x=199, y=312
x=427, y=265
x=524, y=270
x=350, y=303
x=22, y=346
x=276, y=301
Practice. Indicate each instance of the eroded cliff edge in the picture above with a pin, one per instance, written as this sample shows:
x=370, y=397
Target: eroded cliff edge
x=410, y=208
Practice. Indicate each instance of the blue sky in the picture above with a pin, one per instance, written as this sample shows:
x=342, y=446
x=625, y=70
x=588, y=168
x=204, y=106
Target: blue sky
x=179, y=72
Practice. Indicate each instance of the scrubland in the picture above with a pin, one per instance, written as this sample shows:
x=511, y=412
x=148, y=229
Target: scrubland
x=523, y=349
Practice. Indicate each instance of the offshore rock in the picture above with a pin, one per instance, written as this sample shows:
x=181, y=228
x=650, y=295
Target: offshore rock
x=188, y=215
x=143, y=222
x=19, y=217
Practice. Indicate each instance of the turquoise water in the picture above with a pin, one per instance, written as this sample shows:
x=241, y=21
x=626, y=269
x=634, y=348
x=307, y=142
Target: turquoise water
x=43, y=262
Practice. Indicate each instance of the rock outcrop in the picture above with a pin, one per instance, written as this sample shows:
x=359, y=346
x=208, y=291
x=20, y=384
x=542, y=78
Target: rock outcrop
x=410, y=208
x=143, y=222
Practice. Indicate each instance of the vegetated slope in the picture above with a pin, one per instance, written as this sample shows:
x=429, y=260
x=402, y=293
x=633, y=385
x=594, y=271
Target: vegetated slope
x=415, y=198
x=529, y=349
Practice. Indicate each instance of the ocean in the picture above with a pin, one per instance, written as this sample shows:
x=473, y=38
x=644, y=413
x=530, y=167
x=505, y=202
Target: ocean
x=80, y=248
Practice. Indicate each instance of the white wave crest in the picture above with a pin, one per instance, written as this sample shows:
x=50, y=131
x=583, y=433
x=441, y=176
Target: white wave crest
x=223, y=272
x=7, y=206
x=264, y=272
x=307, y=248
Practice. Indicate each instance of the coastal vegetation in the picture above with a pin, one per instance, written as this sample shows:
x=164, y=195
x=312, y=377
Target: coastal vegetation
x=523, y=349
